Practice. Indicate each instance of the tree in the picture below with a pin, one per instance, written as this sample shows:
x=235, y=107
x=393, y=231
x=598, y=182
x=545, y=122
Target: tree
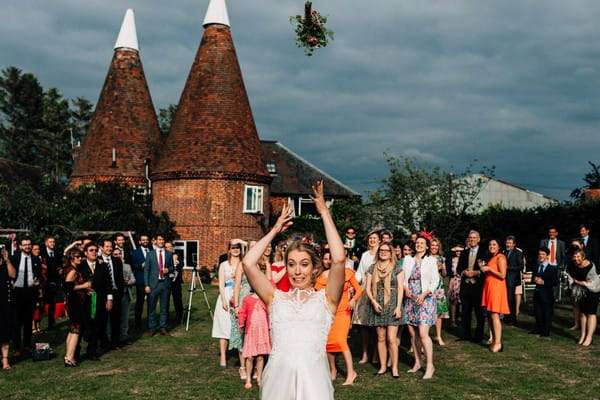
x=419, y=196
x=81, y=118
x=592, y=179
x=21, y=114
x=54, y=139
x=165, y=119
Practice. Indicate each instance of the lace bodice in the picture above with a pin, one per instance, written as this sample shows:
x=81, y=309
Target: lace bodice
x=300, y=322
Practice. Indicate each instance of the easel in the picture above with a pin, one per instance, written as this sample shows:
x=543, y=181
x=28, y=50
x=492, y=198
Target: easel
x=187, y=311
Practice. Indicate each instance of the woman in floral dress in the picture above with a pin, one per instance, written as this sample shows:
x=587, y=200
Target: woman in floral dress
x=440, y=294
x=421, y=279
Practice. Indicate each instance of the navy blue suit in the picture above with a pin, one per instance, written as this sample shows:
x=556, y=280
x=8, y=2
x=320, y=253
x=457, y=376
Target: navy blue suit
x=138, y=260
x=543, y=298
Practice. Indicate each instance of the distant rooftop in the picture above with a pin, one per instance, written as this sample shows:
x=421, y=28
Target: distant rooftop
x=293, y=174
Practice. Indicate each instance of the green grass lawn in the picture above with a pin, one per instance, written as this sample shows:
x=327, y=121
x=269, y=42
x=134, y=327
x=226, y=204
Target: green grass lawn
x=185, y=366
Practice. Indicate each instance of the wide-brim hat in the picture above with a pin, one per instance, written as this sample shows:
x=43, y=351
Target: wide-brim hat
x=377, y=229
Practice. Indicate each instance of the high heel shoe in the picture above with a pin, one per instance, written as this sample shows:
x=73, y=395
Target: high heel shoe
x=378, y=373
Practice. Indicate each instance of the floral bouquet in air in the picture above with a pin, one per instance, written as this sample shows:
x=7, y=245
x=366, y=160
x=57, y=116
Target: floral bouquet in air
x=311, y=32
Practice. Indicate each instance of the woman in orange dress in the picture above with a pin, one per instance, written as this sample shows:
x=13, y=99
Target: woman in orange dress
x=495, y=298
x=337, y=341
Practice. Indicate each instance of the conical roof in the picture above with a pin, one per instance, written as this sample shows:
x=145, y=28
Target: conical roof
x=213, y=134
x=124, y=124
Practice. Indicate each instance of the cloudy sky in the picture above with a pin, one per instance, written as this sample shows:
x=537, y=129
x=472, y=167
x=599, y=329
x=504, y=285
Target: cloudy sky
x=510, y=83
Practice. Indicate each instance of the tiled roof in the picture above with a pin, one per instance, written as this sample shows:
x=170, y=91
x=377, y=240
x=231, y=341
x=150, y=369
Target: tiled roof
x=213, y=131
x=294, y=175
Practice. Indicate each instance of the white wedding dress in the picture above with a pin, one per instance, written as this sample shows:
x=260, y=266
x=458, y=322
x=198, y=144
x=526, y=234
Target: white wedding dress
x=297, y=367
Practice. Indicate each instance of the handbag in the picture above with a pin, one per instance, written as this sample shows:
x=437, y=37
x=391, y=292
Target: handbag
x=42, y=352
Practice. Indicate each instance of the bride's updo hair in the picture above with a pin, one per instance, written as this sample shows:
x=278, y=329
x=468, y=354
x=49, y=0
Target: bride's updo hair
x=299, y=245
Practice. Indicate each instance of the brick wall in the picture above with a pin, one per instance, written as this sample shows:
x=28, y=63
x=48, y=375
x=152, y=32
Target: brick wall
x=210, y=211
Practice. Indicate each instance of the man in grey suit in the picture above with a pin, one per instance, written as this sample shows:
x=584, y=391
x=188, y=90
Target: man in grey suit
x=159, y=264
x=556, y=247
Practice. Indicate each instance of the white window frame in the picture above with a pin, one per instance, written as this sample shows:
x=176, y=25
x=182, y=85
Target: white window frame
x=272, y=168
x=254, y=204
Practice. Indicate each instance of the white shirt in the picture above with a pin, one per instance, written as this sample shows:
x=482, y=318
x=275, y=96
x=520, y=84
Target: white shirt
x=366, y=260
x=20, y=282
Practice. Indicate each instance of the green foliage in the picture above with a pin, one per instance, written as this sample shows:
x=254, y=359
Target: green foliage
x=107, y=206
x=311, y=32
x=165, y=119
x=419, y=196
x=592, y=180
x=36, y=126
x=350, y=211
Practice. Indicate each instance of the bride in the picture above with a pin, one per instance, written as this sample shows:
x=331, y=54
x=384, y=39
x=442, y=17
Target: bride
x=301, y=318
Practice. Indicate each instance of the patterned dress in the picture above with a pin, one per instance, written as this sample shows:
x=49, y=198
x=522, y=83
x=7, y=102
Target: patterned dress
x=426, y=313
x=386, y=317
x=440, y=295
x=236, y=339
x=454, y=286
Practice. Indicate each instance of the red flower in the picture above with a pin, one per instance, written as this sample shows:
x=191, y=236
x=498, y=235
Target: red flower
x=312, y=41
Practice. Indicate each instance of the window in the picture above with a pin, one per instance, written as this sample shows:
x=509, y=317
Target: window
x=307, y=207
x=187, y=251
x=253, y=199
x=271, y=168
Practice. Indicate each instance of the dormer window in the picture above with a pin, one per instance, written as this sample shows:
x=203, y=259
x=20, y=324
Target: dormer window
x=271, y=168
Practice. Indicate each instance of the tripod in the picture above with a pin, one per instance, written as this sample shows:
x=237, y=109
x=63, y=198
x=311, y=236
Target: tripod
x=187, y=311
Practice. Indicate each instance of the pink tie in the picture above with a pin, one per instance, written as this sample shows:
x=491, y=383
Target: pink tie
x=160, y=264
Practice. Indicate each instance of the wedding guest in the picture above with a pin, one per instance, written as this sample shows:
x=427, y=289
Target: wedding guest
x=40, y=307
x=592, y=245
x=52, y=258
x=515, y=263
x=7, y=274
x=126, y=297
x=278, y=271
x=421, y=279
x=495, y=298
x=241, y=289
x=575, y=245
x=176, y=282
x=77, y=286
x=353, y=246
x=337, y=341
x=254, y=322
x=556, y=247
x=545, y=277
x=25, y=294
x=221, y=328
x=384, y=289
x=440, y=295
x=138, y=257
x=471, y=286
x=586, y=288
x=362, y=306
x=454, y=285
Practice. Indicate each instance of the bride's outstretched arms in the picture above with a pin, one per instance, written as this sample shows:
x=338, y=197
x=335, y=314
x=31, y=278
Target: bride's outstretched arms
x=335, y=281
x=259, y=282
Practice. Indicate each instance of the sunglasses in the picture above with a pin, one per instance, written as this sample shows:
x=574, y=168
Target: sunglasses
x=236, y=246
x=92, y=250
x=76, y=256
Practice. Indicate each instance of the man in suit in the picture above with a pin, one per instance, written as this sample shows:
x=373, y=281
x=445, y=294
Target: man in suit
x=515, y=264
x=556, y=247
x=138, y=259
x=26, y=290
x=51, y=257
x=159, y=264
x=94, y=268
x=592, y=246
x=120, y=243
x=115, y=272
x=545, y=277
x=176, y=282
x=351, y=243
x=471, y=286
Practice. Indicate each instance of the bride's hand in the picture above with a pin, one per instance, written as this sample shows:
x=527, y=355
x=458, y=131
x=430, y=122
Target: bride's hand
x=319, y=198
x=285, y=219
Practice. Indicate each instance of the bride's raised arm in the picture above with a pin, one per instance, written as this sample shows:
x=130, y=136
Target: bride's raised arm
x=258, y=280
x=335, y=281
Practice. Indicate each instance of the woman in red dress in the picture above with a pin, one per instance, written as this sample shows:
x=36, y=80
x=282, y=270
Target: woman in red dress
x=495, y=297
